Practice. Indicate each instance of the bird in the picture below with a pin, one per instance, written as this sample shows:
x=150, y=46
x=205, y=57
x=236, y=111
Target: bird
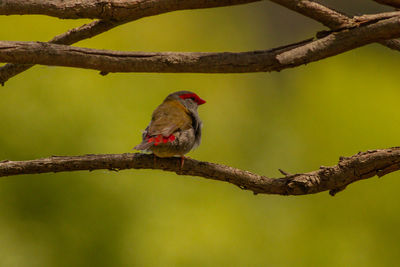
x=175, y=126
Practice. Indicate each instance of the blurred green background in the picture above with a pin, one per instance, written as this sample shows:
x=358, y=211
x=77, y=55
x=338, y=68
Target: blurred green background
x=296, y=120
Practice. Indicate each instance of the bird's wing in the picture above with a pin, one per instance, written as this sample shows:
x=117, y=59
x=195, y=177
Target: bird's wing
x=168, y=118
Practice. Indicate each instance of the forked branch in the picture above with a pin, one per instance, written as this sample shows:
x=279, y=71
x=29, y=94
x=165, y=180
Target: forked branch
x=254, y=61
x=335, y=178
x=99, y=26
x=116, y=13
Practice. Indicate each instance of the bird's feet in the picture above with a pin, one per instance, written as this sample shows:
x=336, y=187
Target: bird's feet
x=182, y=161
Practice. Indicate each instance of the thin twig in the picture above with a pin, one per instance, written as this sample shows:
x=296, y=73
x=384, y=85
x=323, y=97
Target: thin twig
x=327, y=16
x=370, y=17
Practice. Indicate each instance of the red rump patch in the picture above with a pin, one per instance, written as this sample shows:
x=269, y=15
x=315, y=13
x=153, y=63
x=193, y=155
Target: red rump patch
x=160, y=139
x=194, y=97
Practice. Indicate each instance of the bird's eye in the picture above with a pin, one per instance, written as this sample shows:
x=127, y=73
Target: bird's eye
x=194, y=99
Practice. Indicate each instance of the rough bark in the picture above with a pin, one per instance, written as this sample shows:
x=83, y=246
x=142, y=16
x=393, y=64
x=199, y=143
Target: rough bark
x=117, y=10
x=335, y=178
x=227, y=62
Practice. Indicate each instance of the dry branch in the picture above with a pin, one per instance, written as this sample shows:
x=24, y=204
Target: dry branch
x=327, y=16
x=97, y=27
x=318, y=12
x=333, y=19
x=72, y=36
x=117, y=10
x=227, y=62
x=335, y=178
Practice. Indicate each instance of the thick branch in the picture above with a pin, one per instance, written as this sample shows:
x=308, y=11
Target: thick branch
x=335, y=178
x=120, y=10
x=255, y=61
x=117, y=61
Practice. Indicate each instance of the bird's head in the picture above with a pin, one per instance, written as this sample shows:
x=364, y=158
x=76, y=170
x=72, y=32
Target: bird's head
x=189, y=99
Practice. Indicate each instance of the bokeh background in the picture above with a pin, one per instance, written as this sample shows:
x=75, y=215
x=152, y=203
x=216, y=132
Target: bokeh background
x=296, y=120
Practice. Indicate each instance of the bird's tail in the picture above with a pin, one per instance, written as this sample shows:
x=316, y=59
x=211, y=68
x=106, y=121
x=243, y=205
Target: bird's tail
x=143, y=146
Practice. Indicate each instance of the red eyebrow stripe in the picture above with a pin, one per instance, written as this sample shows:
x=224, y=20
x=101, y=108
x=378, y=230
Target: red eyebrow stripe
x=198, y=100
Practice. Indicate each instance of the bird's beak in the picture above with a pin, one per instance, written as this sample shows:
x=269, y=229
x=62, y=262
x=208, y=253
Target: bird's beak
x=200, y=101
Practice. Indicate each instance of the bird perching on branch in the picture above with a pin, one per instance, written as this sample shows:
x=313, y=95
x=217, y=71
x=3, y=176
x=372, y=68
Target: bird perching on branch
x=175, y=126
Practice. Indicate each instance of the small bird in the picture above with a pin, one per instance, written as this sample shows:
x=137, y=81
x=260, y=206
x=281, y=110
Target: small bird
x=175, y=126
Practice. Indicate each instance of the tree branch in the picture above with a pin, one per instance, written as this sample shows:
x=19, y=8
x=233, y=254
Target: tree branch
x=369, y=17
x=198, y=62
x=318, y=12
x=327, y=16
x=97, y=27
x=334, y=19
x=117, y=10
x=72, y=36
x=335, y=178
